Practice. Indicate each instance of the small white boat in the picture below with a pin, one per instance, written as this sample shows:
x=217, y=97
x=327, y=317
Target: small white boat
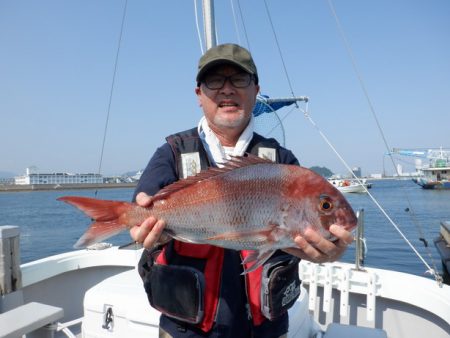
x=349, y=185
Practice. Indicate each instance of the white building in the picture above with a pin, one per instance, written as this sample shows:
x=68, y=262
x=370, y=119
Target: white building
x=357, y=171
x=399, y=170
x=32, y=176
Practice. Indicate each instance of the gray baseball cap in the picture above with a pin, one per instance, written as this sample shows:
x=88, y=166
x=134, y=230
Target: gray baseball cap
x=227, y=53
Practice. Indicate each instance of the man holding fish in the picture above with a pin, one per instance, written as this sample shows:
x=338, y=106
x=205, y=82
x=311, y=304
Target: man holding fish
x=225, y=215
x=216, y=298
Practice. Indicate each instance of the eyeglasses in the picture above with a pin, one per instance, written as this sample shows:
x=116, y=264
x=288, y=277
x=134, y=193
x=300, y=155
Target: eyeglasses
x=239, y=80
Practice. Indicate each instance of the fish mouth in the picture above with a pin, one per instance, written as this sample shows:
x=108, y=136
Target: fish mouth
x=347, y=218
x=344, y=217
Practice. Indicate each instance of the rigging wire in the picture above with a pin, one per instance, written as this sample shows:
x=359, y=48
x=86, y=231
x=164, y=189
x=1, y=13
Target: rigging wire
x=279, y=50
x=243, y=25
x=111, y=92
x=198, y=27
x=235, y=22
x=112, y=88
x=380, y=129
x=358, y=74
x=280, y=120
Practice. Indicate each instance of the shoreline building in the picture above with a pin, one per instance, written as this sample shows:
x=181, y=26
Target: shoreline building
x=357, y=171
x=33, y=176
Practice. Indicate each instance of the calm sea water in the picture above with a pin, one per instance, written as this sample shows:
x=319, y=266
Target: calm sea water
x=50, y=227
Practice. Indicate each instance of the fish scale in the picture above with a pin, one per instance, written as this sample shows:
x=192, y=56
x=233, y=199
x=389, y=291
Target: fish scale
x=239, y=206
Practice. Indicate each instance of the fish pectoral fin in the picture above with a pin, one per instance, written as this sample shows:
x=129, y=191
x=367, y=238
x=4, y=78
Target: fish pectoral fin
x=98, y=232
x=251, y=257
x=258, y=258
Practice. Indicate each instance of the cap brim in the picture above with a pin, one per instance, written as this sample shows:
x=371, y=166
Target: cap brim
x=217, y=62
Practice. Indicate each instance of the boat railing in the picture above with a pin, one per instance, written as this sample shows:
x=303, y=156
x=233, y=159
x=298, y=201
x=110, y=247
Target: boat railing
x=360, y=241
x=344, y=278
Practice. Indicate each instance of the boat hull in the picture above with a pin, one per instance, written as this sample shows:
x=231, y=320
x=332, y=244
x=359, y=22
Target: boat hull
x=437, y=185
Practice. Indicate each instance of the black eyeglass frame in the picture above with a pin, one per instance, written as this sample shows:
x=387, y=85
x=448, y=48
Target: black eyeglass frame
x=251, y=78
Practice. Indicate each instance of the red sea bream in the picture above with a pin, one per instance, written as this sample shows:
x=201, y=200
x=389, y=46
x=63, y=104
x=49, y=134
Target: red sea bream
x=250, y=204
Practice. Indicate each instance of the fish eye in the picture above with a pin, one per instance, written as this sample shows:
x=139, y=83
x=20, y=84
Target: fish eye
x=325, y=203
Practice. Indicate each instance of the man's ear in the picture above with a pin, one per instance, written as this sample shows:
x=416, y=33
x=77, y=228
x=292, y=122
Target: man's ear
x=198, y=92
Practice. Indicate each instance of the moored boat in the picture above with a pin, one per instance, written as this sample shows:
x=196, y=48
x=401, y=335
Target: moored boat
x=436, y=173
x=436, y=177
x=350, y=185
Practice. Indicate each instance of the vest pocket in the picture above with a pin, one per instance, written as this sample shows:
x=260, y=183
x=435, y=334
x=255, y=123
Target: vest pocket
x=176, y=291
x=280, y=285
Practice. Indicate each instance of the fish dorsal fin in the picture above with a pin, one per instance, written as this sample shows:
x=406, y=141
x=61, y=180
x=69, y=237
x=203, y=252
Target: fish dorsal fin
x=234, y=163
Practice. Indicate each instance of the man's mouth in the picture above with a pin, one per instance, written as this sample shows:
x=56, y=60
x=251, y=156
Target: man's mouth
x=228, y=104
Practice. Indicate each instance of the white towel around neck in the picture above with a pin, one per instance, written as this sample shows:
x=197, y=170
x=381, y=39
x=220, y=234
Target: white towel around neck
x=216, y=152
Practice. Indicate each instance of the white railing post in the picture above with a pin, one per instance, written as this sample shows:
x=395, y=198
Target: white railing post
x=10, y=274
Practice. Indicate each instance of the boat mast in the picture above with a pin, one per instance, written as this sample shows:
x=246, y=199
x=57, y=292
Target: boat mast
x=209, y=23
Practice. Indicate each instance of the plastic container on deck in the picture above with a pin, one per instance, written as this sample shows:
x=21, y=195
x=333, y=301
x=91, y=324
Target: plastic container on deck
x=118, y=307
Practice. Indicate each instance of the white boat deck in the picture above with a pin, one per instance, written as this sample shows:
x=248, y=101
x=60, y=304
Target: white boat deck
x=98, y=293
x=86, y=283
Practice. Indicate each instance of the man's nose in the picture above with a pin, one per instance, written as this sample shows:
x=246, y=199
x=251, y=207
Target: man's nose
x=228, y=88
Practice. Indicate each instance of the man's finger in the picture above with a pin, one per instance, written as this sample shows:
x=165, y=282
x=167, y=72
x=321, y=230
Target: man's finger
x=316, y=240
x=154, y=235
x=311, y=253
x=139, y=233
x=345, y=237
x=143, y=199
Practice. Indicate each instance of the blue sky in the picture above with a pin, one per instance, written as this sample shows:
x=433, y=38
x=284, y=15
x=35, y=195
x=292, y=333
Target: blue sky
x=57, y=60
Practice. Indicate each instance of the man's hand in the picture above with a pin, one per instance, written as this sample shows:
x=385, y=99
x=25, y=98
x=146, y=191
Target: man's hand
x=149, y=232
x=315, y=248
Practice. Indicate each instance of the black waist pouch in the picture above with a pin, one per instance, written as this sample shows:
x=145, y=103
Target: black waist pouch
x=280, y=285
x=176, y=291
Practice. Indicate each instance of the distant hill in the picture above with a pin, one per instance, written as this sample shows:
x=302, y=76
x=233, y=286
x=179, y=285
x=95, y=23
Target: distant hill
x=6, y=174
x=323, y=171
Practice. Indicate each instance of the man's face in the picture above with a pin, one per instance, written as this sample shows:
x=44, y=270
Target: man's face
x=227, y=107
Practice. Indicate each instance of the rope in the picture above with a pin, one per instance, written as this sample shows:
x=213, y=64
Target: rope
x=279, y=51
x=280, y=120
x=112, y=89
x=358, y=74
x=235, y=22
x=198, y=27
x=380, y=129
x=243, y=25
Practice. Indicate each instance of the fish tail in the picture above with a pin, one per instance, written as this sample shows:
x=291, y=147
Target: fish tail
x=109, y=218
